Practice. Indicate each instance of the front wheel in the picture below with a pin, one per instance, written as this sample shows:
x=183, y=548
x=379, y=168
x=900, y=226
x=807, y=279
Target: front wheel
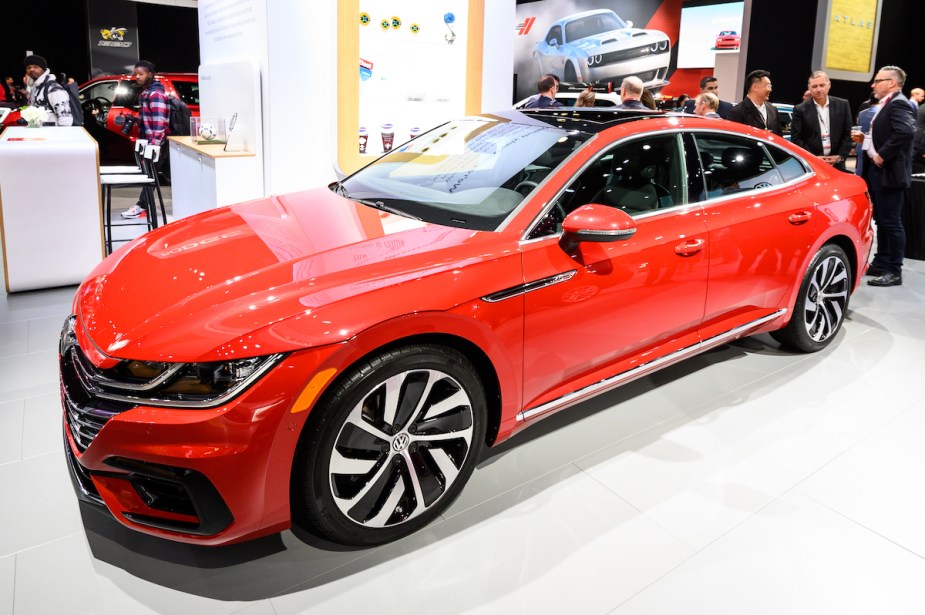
x=822, y=303
x=390, y=446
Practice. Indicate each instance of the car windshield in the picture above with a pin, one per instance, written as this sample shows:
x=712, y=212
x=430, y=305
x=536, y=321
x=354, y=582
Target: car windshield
x=591, y=25
x=727, y=33
x=469, y=173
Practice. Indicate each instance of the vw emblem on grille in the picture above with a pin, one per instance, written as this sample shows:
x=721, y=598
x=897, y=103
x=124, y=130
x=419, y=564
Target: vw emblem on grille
x=401, y=442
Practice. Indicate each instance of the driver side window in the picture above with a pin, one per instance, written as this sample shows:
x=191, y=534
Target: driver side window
x=638, y=176
x=555, y=34
x=105, y=90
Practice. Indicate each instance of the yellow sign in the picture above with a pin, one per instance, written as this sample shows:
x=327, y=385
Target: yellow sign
x=852, y=24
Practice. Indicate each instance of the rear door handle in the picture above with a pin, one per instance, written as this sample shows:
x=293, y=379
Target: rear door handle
x=800, y=217
x=690, y=247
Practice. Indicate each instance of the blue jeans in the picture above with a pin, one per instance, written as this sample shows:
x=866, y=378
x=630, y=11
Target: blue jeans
x=888, y=207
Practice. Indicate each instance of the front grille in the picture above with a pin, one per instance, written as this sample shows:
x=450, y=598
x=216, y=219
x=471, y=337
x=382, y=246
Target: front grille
x=627, y=54
x=84, y=411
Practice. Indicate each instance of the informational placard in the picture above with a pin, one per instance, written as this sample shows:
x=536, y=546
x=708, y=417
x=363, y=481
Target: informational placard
x=846, y=38
x=412, y=68
x=232, y=30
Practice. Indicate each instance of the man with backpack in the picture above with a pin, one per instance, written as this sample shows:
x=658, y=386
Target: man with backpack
x=153, y=118
x=46, y=92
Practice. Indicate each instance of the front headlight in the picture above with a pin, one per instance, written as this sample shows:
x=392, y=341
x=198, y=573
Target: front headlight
x=175, y=385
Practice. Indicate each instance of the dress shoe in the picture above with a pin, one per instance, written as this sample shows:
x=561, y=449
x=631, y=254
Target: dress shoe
x=887, y=279
x=875, y=272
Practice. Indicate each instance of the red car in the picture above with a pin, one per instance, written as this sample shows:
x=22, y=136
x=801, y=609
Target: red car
x=108, y=100
x=339, y=357
x=728, y=39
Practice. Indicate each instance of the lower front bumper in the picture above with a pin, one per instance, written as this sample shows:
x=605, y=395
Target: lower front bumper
x=152, y=495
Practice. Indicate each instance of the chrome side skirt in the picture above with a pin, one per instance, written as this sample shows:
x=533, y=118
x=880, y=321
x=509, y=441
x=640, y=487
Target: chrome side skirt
x=640, y=370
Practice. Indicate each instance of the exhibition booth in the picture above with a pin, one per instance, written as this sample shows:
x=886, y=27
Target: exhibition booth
x=568, y=360
x=300, y=111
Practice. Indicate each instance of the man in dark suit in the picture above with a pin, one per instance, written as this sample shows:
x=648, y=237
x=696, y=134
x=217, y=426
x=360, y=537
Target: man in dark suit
x=755, y=110
x=888, y=171
x=710, y=85
x=822, y=124
x=547, y=87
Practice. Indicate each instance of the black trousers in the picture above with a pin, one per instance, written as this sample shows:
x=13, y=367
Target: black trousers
x=888, y=207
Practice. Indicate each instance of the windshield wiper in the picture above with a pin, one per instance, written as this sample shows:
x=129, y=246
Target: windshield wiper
x=383, y=207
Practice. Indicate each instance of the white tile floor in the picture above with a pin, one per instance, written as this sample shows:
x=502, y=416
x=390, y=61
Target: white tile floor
x=747, y=480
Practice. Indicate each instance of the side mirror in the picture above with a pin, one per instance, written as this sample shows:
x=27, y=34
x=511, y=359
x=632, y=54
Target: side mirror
x=553, y=42
x=595, y=223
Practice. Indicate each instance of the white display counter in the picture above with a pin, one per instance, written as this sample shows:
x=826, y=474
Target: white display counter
x=204, y=176
x=51, y=222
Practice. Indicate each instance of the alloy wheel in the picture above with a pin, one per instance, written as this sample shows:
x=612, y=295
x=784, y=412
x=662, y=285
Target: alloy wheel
x=401, y=448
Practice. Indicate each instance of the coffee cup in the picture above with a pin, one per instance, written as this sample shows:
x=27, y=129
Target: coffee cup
x=414, y=131
x=364, y=137
x=388, y=137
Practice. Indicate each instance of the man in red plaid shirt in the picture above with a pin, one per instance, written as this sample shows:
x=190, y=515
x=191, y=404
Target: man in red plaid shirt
x=152, y=117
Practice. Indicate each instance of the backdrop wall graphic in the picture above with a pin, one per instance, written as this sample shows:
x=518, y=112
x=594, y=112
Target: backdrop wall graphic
x=590, y=41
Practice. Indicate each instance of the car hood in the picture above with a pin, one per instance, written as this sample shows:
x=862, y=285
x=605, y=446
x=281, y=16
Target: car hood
x=279, y=274
x=619, y=39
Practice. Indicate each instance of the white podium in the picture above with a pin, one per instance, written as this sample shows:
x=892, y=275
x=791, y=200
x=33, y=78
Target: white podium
x=51, y=223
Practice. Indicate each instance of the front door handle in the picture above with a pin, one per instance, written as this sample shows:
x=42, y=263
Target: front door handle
x=690, y=247
x=800, y=217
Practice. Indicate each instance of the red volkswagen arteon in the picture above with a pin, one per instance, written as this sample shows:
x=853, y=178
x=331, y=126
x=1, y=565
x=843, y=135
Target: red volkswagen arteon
x=337, y=358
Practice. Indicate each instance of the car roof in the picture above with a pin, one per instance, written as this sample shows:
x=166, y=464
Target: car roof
x=575, y=16
x=585, y=119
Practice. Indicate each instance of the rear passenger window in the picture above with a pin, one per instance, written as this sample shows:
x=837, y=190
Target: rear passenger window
x=789, y=167
x=733, y=164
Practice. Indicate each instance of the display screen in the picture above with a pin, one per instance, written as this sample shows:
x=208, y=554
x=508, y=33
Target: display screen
x=708, y=30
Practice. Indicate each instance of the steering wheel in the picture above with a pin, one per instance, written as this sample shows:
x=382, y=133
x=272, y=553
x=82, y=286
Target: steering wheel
x=99, y=108
x=525, y=187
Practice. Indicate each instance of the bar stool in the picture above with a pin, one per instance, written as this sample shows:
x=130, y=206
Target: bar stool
x=127, y=169
x=152, y=155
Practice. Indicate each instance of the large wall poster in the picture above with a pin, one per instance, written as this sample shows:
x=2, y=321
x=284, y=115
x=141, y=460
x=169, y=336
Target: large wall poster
x=595, y=41
x=412, y=68
x=708, y=30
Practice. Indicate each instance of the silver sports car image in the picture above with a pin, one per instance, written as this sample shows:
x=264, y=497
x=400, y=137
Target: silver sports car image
x=596, y=46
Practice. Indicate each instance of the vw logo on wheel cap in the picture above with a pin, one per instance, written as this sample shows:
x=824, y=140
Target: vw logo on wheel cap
x=401, y=442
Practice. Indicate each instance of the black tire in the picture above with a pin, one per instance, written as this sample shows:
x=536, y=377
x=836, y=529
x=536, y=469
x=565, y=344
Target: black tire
x=570, y=75
x=822, y=303
x=390, y=446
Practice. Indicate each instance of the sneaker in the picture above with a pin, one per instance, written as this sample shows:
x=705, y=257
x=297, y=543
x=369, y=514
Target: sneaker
x=135, y=211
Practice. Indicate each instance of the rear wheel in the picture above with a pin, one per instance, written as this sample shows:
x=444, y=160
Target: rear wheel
x=390, y=446
x=822, y=303
x=570, y=75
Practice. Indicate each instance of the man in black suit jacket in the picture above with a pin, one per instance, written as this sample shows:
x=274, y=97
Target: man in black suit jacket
x=888, y=171
x=709, y=84
x=755, y=110
x=822, y=124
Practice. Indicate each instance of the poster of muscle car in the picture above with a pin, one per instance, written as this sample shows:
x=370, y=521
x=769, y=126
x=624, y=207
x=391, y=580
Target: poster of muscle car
x=595, y=41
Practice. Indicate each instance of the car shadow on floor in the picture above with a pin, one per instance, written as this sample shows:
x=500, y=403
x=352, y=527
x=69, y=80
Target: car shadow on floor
x=297, y=560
